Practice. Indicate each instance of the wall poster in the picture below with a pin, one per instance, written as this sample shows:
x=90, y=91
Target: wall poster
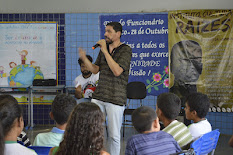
x=201, y=57
x=28, y=51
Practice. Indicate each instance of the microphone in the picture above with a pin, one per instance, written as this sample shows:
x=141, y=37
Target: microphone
x=95, y=46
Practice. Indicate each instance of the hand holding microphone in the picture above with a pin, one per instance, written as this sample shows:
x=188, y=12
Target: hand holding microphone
x=101, y=43
x=95, y=46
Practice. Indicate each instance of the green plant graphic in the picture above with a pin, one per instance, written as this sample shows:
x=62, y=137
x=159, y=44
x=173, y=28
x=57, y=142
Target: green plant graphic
x=158, y=79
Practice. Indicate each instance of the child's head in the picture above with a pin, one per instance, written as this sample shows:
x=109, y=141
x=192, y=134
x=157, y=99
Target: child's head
x=11, y=114
x=84, y=131
x=196, y=106
x=1, y=68
x=143, y=119
x=33, y=63
x=12, y=64
x=62, y=107
x=24, y=52
x=168, y=106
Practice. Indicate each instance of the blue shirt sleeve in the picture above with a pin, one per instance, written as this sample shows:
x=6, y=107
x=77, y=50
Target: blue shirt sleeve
x=130, y=149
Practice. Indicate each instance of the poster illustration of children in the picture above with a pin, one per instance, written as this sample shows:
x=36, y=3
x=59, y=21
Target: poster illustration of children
x=33, y=64
x=12, y=64
x=23, y=54
x=1, y=71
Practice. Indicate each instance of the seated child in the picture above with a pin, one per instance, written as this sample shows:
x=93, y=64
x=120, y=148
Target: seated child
x=61, y=109
x=168, y=108
x=23, y=139
x=11, y=116
x=196, y=108
x=2, y=144
x=150, y=140
x=84, y=133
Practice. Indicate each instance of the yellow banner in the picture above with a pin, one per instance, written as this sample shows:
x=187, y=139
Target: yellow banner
x=201, y=54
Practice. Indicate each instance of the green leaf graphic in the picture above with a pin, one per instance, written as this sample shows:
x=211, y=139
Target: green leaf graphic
x=156, y=88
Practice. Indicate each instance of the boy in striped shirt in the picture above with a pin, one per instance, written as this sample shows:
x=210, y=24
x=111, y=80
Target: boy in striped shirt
x=168, y=108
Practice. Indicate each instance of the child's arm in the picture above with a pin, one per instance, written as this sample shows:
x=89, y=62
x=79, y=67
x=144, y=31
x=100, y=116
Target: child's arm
x=51, y=151
x=78, y=92
x=231, y=141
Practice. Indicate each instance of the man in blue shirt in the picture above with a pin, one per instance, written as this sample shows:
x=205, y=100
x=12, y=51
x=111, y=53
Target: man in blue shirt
x=150, y=140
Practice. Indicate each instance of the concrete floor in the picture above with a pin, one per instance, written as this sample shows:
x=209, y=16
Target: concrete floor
x=221, y=149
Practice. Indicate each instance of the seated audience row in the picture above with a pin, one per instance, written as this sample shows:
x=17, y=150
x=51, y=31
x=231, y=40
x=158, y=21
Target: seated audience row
x=84, y=133
x=153, y=141
x=168, y=108
x=79, y=128
x=150, y=140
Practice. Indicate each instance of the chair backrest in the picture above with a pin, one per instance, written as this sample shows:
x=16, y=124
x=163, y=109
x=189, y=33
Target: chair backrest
x=136, y=90
x=41, y=150
x=206, y=143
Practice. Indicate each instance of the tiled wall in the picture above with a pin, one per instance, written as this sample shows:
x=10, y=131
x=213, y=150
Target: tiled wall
x=82, y=30
x=222, y=121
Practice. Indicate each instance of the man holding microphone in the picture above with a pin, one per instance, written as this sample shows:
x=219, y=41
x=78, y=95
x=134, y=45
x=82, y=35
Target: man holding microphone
x=113, y=62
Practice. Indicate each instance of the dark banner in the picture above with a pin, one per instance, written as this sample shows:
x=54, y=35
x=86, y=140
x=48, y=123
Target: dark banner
x=147, y=35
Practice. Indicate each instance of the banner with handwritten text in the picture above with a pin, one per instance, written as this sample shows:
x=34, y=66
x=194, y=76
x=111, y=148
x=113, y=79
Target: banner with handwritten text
x=28, y=52
x=147, y=35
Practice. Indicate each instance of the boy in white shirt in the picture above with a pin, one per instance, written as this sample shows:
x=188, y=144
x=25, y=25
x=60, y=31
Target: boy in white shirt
x=196, y=108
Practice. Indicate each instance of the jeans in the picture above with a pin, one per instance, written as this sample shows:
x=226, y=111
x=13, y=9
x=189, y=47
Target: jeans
x=114, y=115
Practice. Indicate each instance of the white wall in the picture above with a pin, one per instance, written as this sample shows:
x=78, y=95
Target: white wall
x=95, y=6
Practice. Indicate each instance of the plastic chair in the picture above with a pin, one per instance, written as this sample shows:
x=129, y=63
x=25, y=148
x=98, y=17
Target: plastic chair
x=135, y=90
x=40, y=150
x=207, y=143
